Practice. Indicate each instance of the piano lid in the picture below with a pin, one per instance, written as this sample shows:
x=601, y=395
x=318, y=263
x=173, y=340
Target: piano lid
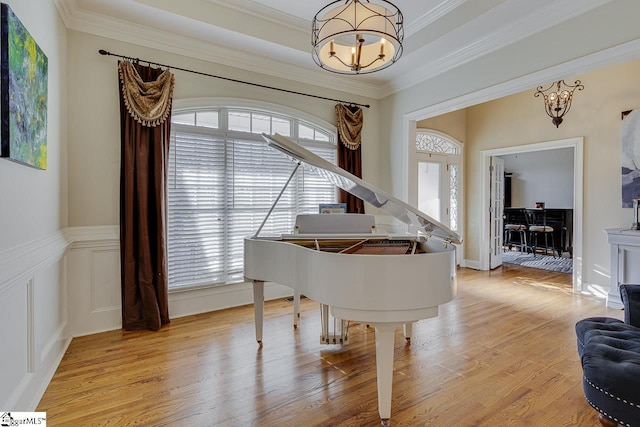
x=362, y=189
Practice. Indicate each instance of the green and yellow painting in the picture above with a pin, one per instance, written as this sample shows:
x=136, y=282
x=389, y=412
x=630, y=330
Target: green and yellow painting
x=23, y=99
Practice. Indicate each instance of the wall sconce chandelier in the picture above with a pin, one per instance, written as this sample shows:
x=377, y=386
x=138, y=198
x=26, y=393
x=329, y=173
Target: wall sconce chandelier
x=558, y=102
x=357, y=36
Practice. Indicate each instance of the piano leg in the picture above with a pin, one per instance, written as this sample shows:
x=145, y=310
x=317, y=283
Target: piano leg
x=296, y=308
x=385, y=333
x=258, y=308
x=324, y=319
x=408, y=330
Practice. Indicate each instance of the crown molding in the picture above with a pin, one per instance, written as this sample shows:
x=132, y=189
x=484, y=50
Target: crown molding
x=66, y=9
x=78, y=19
x=433, y=15
x=257, y=10
x=516, y=30
x=125, y=31
x=615, y=55
x=280, y=18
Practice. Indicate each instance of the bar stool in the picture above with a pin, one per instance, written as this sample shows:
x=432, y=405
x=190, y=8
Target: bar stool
x=538, y=227
x=519, y=230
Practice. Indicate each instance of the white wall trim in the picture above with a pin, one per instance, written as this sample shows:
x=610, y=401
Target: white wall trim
x=624, y=52
x=467, y=263
x=23, y=260
x=89, y=319
x=25, y=278
x=517, y=29
x=45, y=378
x=433, y=15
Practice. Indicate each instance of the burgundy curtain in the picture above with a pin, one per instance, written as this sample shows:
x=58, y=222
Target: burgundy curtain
x=350, y=121
x=145, y=124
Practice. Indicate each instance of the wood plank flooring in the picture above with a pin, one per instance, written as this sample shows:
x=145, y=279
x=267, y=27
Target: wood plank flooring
x=503, y=353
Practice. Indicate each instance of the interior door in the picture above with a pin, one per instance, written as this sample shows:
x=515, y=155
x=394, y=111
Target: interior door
x=496, y=211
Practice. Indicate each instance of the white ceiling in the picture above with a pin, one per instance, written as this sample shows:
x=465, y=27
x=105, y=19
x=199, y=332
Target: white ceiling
x=274, y=36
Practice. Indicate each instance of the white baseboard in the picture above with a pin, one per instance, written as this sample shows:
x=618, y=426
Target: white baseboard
x=467, y=263
x=41, y=382
x=197, y=301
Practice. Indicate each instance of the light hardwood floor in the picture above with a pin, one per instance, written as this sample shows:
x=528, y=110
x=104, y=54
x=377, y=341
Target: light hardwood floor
x=503, y=353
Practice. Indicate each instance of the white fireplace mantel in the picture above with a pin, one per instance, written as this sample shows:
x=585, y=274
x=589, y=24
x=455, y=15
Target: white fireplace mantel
x=625, y=262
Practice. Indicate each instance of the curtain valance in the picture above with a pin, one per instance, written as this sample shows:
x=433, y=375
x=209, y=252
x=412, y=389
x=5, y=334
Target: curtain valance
x=350, y=126
x=149, y=103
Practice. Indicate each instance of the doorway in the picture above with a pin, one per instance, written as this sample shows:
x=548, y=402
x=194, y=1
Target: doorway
x=437, y=168
x=486, y=229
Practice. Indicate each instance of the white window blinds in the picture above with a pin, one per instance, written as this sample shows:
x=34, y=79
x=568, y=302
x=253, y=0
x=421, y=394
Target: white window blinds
x=219, y=191
x=196, y=209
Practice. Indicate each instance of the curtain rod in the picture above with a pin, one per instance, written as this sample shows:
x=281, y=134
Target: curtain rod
x=104, y=52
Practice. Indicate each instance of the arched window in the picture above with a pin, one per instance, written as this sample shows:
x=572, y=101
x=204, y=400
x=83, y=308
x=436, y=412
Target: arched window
x=223, y=179
x=429, y=142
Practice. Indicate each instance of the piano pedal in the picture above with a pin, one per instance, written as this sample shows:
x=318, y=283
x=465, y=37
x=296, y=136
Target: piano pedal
x=290, y=299
x=334, y=340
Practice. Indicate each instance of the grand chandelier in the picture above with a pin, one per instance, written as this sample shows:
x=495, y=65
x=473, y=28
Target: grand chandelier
x=357, y=36
x=558, y=102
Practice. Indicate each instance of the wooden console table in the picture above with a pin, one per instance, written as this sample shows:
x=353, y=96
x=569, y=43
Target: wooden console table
x=625, y=262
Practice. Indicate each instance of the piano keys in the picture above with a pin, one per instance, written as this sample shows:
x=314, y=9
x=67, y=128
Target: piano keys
x=357, y=273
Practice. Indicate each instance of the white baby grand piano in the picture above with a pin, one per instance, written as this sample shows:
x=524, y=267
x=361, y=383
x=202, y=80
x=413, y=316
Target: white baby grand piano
x=382, y=280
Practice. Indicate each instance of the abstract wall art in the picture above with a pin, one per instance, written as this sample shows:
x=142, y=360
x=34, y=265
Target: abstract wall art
x=23, y=93
x=630, y=157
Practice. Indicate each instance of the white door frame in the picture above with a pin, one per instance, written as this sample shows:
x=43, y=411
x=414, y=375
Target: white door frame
x=409, y=174
x=578, y=172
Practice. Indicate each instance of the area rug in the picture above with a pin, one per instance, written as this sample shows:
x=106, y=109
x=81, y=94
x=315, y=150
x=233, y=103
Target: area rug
x=544, y=262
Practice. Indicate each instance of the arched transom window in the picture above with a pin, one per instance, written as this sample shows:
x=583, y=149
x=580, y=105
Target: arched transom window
x=428, y=142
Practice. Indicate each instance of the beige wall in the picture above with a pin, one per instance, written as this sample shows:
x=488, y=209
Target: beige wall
x=94, y=125
x=520, y=119
x=453, y=124
x=595, y=115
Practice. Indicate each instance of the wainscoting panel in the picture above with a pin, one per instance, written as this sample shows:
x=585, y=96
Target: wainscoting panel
x=625, y=262
x=33, y=319
x=629, y=270
x=15, y=351
x=68, y=284
x=93, y=264
x=196, y=301
x=50, y=309
x=105, y=279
